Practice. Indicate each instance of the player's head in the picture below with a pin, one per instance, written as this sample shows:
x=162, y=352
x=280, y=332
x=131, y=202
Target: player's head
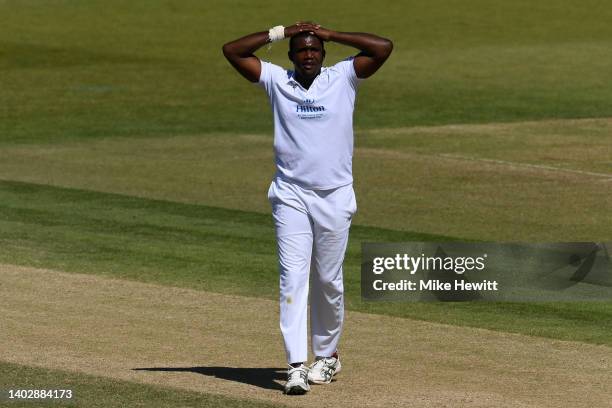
x=307, y=53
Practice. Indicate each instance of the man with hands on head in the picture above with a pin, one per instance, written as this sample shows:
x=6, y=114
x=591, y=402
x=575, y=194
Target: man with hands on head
x=312, y=193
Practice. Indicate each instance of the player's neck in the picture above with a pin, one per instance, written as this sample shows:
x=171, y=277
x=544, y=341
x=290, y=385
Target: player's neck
x=305, y=82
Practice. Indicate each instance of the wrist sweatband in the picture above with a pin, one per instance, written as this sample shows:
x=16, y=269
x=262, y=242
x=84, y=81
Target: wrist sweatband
x=276, y=33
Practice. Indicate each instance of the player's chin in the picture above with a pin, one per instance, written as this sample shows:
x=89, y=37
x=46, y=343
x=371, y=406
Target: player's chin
x=310, y=70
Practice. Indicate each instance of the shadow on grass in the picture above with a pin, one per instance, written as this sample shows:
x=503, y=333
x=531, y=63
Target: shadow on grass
x=267, y=378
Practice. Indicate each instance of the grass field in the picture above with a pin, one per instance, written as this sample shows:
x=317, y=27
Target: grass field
x=129, y=149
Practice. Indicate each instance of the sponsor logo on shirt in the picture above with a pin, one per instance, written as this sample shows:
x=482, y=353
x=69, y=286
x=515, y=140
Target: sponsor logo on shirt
x=309, y=110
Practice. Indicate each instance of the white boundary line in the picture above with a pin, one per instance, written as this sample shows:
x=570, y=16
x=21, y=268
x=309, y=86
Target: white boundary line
x=448, y=156
x=528, y=165
x=487, y=127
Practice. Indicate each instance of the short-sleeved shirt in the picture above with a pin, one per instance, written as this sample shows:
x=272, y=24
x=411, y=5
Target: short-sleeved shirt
x=313, y=128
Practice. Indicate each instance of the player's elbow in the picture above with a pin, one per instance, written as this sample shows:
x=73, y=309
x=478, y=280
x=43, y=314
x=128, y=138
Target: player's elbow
x=229, y=51
x=383, y=50
x=387, y=47
x=226, y=50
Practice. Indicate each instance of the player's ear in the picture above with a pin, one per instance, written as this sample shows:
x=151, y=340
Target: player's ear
x=323, y=55
x=290, y=55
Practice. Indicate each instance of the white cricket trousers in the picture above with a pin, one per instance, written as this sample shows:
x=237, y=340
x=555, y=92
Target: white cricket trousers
x=312, y=228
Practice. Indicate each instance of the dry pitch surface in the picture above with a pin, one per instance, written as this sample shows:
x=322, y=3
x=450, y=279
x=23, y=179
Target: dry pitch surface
x=231, y=345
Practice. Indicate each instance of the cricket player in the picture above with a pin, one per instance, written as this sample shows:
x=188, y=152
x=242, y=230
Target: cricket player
x=312, y=193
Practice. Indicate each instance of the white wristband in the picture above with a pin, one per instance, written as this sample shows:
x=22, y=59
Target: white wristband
x=276, y=33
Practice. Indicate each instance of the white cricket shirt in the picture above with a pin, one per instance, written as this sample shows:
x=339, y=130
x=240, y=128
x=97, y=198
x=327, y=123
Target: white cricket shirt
x=313, y=128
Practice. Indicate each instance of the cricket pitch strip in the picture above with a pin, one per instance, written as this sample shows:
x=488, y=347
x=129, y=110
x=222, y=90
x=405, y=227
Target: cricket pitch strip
x=231, y=345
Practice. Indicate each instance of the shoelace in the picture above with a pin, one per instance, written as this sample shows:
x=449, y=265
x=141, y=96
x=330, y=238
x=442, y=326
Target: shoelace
x=326, y=362
x=299, y=372
x=326, y=369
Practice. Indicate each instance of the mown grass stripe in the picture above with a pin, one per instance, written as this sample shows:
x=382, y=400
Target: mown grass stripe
x=229, y=251
x=478, y=61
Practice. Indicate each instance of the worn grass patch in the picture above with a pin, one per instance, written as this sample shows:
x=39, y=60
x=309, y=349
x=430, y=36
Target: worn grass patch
x=531, y=181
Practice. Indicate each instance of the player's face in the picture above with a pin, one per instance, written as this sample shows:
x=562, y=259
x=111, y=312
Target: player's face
x=307, y=56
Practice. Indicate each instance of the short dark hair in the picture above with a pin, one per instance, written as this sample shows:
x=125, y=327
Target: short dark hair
x=304, y=34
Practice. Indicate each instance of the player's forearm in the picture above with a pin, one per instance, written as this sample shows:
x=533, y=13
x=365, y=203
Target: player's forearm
x=369, y=44
x=245, y=47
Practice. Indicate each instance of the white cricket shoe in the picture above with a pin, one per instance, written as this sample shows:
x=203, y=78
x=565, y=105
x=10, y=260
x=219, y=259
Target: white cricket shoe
x=323, y=370
x=297, y=381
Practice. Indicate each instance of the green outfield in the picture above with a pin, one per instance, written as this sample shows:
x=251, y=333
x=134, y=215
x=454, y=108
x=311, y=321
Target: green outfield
x=130, y=149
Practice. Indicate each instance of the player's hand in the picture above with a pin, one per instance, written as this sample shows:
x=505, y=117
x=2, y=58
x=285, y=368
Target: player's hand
x=323, y=33
x=299, y=27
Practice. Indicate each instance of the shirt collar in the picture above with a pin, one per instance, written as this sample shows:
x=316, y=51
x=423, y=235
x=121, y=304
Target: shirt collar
x=291, y=81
